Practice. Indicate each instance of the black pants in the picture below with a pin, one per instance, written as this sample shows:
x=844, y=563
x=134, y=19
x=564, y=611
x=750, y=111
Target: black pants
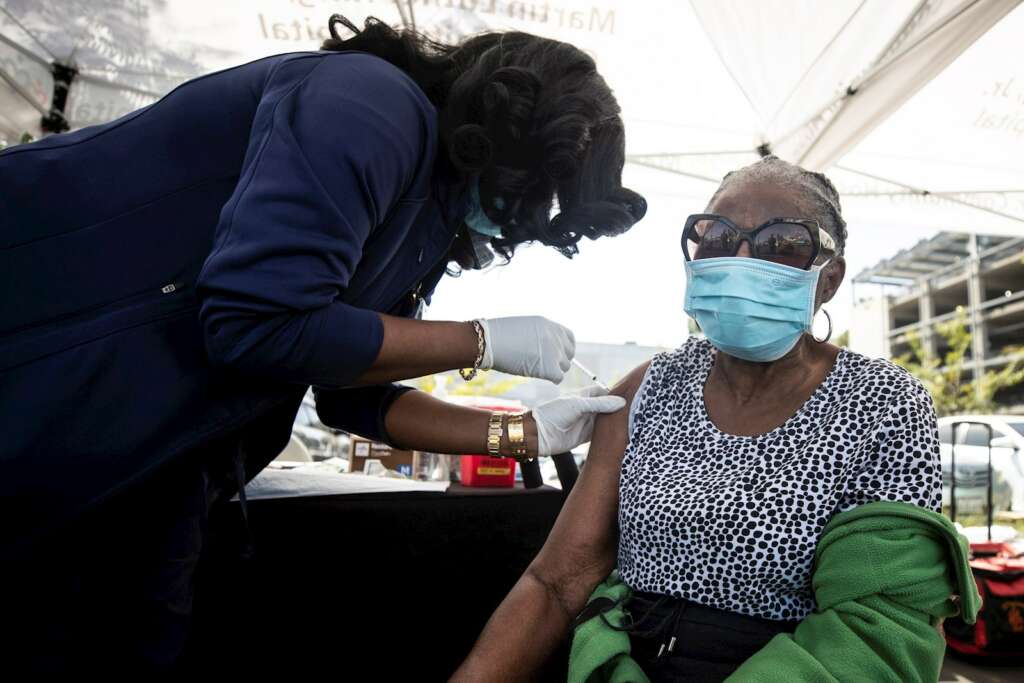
x=677, y=640
x=113, y=591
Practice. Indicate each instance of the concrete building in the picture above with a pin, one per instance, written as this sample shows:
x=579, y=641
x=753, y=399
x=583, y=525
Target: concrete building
x=911, y=292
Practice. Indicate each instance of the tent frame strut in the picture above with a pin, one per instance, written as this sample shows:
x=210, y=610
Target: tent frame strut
x=886, y=60
x=927, y=193
x=27, y=96
x=29, y=34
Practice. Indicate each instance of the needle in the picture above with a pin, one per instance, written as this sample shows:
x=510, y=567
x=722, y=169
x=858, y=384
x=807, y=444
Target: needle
x=589, y=374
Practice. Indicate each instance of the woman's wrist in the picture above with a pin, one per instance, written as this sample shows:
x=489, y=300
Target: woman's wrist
x=530, y=427
x=529, y=432
x=469, y=343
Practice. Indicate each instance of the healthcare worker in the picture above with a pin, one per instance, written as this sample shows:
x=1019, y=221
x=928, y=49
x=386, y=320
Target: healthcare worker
x=172, y=282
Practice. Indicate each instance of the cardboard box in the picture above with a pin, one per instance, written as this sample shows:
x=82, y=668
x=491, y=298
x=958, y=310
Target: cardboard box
x=362, y=450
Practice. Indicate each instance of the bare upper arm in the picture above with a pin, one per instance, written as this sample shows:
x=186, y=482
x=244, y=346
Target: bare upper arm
x=611, y=432
x=581, y=548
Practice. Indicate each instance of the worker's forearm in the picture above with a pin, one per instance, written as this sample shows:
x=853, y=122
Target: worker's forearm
x=414, y=348
x=418, y=421
x=520, y=636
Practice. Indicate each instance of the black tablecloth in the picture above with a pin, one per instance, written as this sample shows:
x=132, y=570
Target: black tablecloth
x=399, y=585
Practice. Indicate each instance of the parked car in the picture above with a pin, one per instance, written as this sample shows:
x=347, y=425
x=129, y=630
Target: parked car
x=321, y=441
x=972, y=444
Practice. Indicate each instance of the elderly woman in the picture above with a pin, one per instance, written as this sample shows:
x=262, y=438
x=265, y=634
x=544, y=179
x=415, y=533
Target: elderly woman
x=770, y=499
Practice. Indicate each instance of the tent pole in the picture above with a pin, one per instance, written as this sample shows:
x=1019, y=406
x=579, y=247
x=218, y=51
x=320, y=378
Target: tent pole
x=944, y=193
x=118, y=86
x=648, y=164
x=714, y=153
x=810, y=68
x=24, y=51
x=852, y=89
x=725, y=63
x=412, y=15
x=944, y=39
x=16, y=87
x=400, y=6
x=926, y=193
x=29, y=34
x=882, y=66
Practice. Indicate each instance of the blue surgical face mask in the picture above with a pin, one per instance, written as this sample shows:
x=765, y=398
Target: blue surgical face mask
x=477, y=219
x=749, y=308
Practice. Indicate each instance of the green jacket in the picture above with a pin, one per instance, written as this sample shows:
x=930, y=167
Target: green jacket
x=884, y=577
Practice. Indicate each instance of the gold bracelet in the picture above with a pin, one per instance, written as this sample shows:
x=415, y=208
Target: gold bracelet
x=494, y=429
x=480, y=346
x=517, y=436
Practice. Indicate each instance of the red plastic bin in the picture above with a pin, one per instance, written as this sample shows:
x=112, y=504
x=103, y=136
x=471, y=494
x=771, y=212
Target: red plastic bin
x=483, y=470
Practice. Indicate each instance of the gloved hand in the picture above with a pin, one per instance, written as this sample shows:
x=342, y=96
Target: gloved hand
x=566, y=422
x=530, y=346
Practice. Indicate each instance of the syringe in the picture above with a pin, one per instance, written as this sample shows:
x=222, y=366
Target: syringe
x=588, y=373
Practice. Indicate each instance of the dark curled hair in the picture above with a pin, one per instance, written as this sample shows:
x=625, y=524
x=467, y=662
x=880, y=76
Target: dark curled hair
x=816, y=190
x=531, y=119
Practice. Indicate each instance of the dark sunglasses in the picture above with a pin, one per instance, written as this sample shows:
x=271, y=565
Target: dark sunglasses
x=795, y=242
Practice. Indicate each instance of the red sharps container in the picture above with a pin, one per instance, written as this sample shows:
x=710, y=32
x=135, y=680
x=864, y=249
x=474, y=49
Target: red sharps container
x=483, y=470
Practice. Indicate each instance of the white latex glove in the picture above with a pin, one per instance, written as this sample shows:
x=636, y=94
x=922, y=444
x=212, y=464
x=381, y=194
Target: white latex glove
x=566, y=422
x=530, y=346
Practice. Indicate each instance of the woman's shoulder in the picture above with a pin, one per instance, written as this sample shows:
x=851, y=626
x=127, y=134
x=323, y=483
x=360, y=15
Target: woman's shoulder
x=357, y=111
x=695, y=351
x=370, y=78
x=882, y=381
x=662, y=376
x=347, y=97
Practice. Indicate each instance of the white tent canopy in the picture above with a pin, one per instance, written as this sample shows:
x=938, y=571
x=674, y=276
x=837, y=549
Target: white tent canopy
x=860, y=82
x=897, y=100
x=915, y=108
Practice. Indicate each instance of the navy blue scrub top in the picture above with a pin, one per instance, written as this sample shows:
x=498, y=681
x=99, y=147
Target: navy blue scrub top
x=180, y=272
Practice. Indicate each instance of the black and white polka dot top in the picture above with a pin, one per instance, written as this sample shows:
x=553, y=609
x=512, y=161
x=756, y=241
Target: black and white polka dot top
x=732, y=521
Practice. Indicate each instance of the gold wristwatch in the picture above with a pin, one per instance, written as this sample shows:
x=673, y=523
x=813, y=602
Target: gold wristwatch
x=494, y=435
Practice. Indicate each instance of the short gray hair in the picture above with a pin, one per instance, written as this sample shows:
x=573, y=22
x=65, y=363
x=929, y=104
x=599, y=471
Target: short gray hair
x=816, y=188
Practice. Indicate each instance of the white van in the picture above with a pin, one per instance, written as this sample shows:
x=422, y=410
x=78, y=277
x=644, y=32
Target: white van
x=972, y=442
